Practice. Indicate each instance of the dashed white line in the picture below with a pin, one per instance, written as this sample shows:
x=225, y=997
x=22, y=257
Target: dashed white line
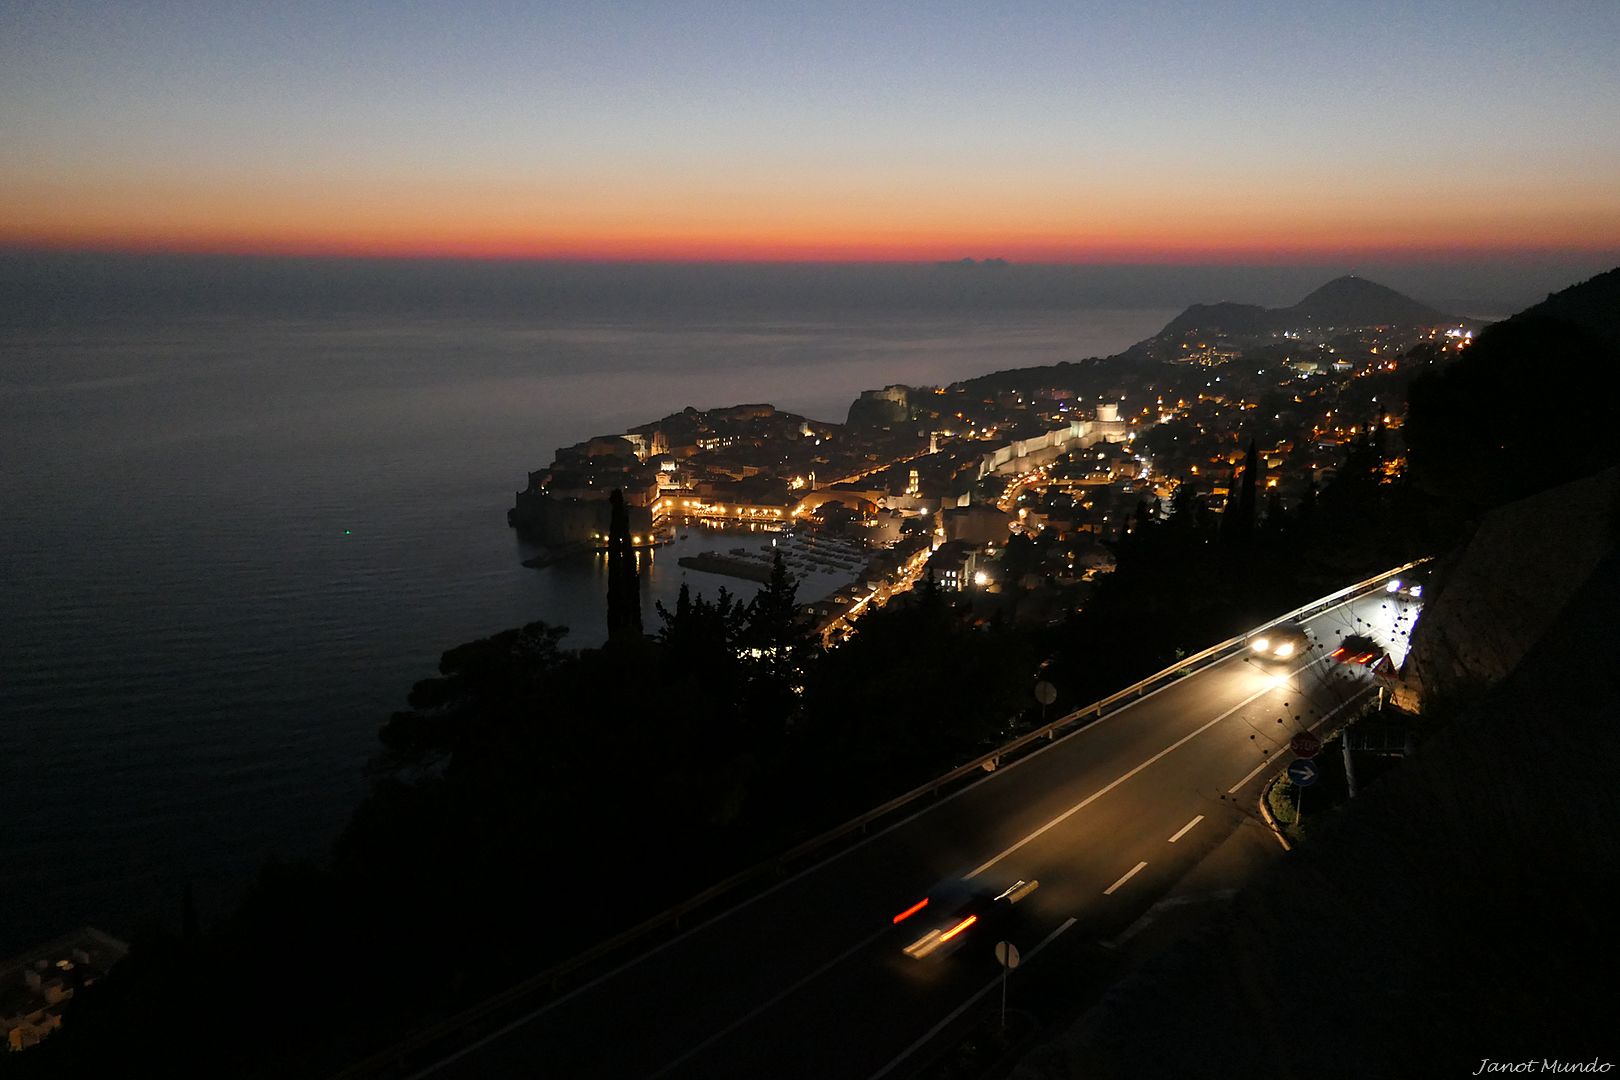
x=1132, y=872
x=1100, y=792
x=1257, y=770
x=1187, y=828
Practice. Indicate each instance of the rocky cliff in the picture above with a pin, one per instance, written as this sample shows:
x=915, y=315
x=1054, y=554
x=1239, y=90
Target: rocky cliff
x=1501, y=591
x=1458, y=911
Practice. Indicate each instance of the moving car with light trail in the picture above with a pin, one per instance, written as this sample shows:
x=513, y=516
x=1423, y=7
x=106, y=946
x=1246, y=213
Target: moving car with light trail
x=1285, y=643
x=945, y=918
x=1358, y=649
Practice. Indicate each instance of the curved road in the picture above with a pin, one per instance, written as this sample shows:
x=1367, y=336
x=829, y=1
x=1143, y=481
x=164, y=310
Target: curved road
x=808, y=980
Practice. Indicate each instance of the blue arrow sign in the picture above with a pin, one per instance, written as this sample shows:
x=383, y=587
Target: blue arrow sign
x=1303, y=773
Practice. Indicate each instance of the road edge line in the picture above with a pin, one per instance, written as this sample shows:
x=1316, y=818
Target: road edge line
x=957, y=1012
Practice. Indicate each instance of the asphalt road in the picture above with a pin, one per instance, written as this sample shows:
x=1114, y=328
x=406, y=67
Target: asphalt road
x=809, y=980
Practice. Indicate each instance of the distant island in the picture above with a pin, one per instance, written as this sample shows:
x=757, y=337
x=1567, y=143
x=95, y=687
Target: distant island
x=970, y=263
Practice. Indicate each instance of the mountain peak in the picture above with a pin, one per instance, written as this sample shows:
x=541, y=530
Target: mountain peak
x=1346, y=301
x=1355, y=301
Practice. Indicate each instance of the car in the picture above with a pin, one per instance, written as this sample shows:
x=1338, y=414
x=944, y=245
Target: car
x=1285, y=643
x=942, y=921
x=1412, y=590
x=1358, y=649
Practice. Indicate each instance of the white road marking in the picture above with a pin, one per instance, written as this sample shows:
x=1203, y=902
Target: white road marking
x=743, y=1019
x=1331, y=713
x=815, y=867
x=965, y=1006
x=1258, y=769
x=1187, y=828
x=1100, y=792
x=1132, y=872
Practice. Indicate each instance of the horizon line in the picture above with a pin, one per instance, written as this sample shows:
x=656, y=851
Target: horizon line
x=1188, y=259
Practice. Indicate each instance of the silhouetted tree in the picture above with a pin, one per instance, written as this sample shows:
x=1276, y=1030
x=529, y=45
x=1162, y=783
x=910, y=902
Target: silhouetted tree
x=1144, y=517
x=1185, y=507
x=1242, y=526
x=701, y=638
x=1276, y=515
x=624, y=583
x=492, y=682
x=912, y=691
x=779, y=644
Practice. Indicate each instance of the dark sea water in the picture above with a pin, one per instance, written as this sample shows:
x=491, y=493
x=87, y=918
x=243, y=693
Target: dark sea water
x=246, y=504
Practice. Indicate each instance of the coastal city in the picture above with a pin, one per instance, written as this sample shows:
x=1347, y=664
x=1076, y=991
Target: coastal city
x=736, y=541
x=1012, y=486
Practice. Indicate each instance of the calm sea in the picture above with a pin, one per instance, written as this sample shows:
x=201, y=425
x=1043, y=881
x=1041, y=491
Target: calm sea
x=247, y=503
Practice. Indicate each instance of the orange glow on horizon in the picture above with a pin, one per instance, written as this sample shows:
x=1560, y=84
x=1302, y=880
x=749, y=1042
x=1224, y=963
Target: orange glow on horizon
x=785, y=250
x=626, y=224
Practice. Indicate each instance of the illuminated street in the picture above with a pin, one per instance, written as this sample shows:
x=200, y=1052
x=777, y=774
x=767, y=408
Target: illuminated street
x=810, y=979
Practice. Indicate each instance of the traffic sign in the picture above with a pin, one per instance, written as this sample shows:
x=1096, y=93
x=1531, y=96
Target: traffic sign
x=1303, y=773
x=1305, y=745
x=1007, y=953
x=1045, y=692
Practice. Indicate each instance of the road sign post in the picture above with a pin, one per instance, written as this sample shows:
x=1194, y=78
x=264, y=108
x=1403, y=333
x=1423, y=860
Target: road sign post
x=1007, y=953
x=1045, y=693
x=1302, y=774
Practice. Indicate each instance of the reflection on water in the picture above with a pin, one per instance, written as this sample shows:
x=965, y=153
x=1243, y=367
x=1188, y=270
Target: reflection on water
x=233, y=543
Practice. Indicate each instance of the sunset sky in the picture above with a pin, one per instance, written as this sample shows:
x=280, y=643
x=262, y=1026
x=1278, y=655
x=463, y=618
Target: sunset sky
x=1062, y=132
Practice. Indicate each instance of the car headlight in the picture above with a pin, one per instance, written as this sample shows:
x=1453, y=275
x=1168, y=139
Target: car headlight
x=1285, y=650
x=1261, y=644
x=1393, y=586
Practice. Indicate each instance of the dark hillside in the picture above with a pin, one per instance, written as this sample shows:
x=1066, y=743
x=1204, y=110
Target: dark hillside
x=1528, y=406
x=1455, y=912
x=1343, y=302
x=1593, y=305
x=1227, y=318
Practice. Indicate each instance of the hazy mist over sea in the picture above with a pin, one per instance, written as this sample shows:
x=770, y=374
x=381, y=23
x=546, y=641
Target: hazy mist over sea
x=53, y=288
x=249, y=501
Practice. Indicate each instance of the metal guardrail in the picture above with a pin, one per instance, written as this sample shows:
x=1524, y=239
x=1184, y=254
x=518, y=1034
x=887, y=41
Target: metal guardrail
x=487, y=1016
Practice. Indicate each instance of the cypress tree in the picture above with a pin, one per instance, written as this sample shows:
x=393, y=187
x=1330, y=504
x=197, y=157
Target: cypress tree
x=1237, y=529
x=624, y=583
x=1247, y=502
x=1229, y=513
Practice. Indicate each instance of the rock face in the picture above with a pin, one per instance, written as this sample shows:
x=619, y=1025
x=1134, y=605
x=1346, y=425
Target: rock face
x=1497, y=596
x=881, y=408
x=1453, y=912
